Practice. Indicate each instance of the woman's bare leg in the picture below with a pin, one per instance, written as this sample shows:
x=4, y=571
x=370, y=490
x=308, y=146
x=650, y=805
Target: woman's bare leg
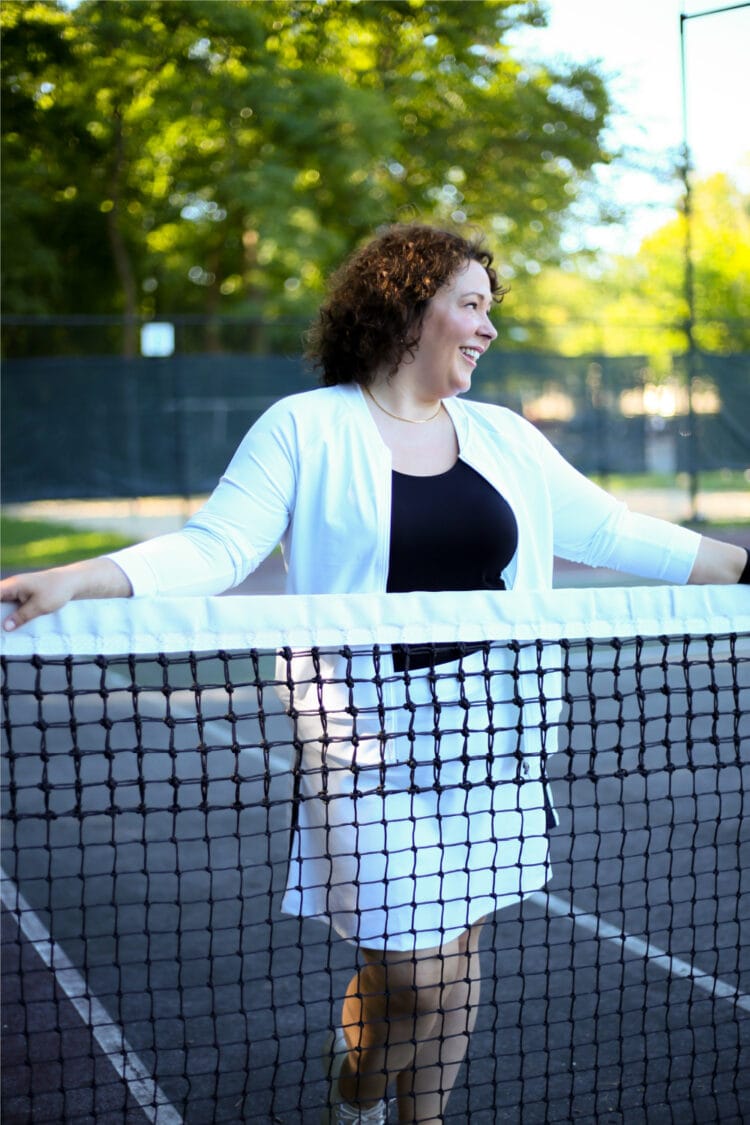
x=424, y=1089
x=409, y=1016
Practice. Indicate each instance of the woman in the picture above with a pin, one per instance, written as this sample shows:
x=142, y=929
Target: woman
x=384, y=480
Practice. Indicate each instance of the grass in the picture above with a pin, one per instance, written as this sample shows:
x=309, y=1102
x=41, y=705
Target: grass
x=721, y=480
x=35, y=544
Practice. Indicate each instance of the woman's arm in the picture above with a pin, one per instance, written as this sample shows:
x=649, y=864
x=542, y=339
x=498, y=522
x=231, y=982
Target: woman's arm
x=718, y=562
x=44, y=591
x=592, y=527
x=234, y=531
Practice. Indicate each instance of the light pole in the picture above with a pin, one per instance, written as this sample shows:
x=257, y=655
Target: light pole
x=689, y=276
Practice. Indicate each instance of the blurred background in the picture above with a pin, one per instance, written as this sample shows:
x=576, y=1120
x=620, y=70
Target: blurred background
x=180, y=177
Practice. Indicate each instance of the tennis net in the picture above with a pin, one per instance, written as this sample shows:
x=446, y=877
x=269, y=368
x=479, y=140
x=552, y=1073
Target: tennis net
x=161, y=754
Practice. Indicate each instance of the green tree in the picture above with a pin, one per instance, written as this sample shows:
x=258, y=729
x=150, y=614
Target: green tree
x=721, y=263
x=217, y=156
x=636, y=305
x=51, y=229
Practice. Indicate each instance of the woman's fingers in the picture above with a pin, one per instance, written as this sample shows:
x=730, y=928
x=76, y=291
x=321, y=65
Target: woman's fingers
x=35, y=594
x=44, y=591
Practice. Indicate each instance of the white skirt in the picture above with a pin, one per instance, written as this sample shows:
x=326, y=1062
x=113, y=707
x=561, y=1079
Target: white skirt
x=404, y=840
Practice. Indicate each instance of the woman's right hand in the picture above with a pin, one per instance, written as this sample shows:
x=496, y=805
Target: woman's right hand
x=44, y=591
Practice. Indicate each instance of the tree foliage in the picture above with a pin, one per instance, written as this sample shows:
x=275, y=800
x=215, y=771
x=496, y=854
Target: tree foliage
x=637, y=305
x=220, y=156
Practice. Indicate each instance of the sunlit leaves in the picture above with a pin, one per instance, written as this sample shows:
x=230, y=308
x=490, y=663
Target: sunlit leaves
x=638, y=306
x=236, y=150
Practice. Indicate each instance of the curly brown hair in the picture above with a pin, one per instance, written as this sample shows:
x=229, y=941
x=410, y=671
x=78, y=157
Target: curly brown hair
x=378, y=298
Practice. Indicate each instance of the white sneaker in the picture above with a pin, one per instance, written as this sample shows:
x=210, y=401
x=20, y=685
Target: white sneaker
x=340, y=1112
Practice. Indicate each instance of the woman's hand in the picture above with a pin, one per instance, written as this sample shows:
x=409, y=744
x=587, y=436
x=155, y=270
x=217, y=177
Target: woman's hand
x=44, y=591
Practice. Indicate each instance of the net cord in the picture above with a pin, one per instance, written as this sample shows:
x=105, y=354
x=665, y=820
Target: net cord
x=148, y=625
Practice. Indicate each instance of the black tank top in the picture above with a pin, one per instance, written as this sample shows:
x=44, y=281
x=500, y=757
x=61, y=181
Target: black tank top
x=452, y=531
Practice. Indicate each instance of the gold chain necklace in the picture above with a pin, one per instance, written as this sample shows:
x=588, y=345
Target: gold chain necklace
x=398, y=417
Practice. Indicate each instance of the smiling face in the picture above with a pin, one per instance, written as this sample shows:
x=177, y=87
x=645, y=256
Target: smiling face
x=456, y=331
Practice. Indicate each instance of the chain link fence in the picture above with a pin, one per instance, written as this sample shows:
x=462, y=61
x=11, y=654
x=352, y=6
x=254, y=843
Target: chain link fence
x=106, y=426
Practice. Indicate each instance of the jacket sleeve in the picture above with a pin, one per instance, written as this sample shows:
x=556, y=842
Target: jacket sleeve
x=592, y=527
x=240, y=524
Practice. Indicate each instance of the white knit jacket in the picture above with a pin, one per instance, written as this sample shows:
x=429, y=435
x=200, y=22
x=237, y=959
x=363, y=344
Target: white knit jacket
x=314, y=474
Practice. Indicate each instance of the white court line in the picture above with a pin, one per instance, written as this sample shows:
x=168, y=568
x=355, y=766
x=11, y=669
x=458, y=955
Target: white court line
x=672, y=966
x=127, y=1063
x=653, y=954
x=124, y=1060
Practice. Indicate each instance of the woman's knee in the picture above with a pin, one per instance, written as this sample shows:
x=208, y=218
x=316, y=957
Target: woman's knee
x=414, y=985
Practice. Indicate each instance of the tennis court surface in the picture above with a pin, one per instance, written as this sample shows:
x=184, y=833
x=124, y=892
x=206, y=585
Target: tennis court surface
x=150, y=781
